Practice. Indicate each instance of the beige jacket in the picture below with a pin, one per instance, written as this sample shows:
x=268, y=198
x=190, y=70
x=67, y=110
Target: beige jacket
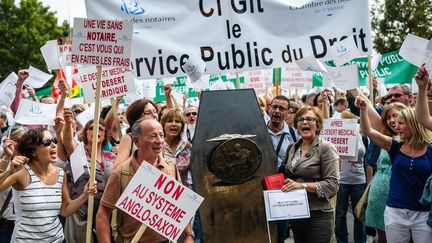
x=321, y=164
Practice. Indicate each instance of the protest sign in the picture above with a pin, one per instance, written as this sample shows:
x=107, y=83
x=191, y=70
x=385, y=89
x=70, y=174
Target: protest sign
x=258, y=80
x=237, y=35
x=36, y=78
x=310, y=63
x=146, y=88
x=344, y=51
x=102, y=42
x=194, y=68
x=116, y=81
x=343, y=134
x=159, y=201
x=51, y=55
x=281, y=205
x=35, y=113
x=65, y=55
x=343, y=78
x=78, y=161
x=85, y=116
x=8, y=89
x=293, y=77
x=414, y=49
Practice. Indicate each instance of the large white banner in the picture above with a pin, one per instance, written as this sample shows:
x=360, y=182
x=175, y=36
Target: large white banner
x=233, y=35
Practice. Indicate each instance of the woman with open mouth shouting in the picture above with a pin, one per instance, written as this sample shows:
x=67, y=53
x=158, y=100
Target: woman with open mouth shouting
x=312, y=164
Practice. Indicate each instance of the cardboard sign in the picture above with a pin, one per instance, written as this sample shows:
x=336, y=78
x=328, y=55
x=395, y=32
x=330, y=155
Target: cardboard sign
x=115, y=81
x=344, y=78
x=159, y=201
x=37, y=78
x=343, y=134
x=35, y=113
x=102, y=42
x=293, y=77
x=8, y=89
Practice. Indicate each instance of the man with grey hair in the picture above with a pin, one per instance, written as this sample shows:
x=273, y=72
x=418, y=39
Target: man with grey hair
x=148, y=135
x=400, y=93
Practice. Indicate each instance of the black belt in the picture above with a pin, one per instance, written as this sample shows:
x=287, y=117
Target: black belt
x=4, y=222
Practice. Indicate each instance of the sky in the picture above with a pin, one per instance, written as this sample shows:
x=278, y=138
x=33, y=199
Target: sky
x=66, y=9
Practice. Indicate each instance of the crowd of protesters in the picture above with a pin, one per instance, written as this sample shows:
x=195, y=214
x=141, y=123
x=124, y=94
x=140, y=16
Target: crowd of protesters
x=41, y=200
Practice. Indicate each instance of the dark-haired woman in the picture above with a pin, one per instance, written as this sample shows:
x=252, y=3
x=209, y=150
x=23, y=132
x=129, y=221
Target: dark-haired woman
x=104, y=166
x=40, y=189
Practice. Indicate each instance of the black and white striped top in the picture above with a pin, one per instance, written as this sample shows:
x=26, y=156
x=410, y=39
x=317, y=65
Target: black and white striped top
x=37, y=208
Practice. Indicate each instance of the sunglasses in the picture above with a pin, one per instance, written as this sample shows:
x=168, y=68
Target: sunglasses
x=396, y=95
x=101, y=128
x=47, y=142
x=191, y=114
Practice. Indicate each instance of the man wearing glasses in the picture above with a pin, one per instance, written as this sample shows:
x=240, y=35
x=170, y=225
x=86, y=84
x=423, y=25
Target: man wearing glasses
x=400, y=93
x=191, y=114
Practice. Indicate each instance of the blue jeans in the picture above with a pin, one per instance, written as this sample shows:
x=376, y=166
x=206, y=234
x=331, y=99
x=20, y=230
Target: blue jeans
x=346, y=192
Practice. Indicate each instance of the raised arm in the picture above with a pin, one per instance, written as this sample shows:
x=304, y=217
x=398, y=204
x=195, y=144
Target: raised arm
x=68, y=140
x=70, y=206
x=22, y=75
x=422, y=109
x=378, y=138
x=64, y=94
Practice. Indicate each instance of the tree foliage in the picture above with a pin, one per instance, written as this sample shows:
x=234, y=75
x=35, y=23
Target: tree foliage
x=392, y=20
x=23, y=30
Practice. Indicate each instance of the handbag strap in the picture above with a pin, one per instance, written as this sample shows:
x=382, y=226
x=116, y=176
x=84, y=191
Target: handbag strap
x=6, y=203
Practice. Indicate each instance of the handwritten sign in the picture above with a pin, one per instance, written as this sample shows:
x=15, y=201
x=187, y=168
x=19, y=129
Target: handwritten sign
x=343, y=134
x=102, y=42
x=35, y=113
x=159, y=201
x=116, y=81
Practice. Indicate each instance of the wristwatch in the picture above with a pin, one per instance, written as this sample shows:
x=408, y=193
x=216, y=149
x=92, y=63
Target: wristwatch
x=304, y=185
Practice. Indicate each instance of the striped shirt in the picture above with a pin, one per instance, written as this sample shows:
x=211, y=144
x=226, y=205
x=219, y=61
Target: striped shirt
x=37, y=208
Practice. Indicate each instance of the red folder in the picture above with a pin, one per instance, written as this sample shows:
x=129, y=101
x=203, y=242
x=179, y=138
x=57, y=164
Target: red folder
x=273, y=182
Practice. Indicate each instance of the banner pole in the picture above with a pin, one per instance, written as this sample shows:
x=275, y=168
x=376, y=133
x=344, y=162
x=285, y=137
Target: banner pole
x=371, y=98
x=277, y=81
x=94, y=154
x=138, y=234
x=237, y=80
x=115, y=114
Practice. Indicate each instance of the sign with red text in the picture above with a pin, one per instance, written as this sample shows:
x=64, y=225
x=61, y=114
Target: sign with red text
x=102, y=42
x=259, y=80
x=115, y=81
x=293, y=77
x=159, y=201
x=343, y=134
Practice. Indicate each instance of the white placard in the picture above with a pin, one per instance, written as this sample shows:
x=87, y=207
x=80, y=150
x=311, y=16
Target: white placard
x=148, y=191
x=8, y=89
x=85, y=116
x=78, y=161
x=414, y=49
x=293, y=77
x=258, y=80
x=194, y=68
x=343, y=78
x=35, y=113
x=281, y=205
x=310, y=63
x=343, y=134
x=146, y=88
x=233, y=36
x=65, y=55
x=344, y=51
x=381, y=87
x=50, y=53
x=101, y=42
x=115, y=81
x=37, y=78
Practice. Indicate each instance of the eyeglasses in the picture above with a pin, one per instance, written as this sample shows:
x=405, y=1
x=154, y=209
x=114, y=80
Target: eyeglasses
x=150, y=112
x=281, y=108
x=191, y=114
x=47, y=142
x=101, y=128
x=307, y=119
x=396, y=95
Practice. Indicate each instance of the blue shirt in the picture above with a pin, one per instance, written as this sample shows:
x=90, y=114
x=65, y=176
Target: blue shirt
x=275, y=138
x=408, y=178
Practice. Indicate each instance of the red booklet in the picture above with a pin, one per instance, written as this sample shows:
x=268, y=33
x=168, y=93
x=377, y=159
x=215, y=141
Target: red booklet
x=273, y=182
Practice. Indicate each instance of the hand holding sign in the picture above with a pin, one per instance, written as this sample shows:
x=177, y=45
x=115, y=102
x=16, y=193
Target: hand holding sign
x=422, y=78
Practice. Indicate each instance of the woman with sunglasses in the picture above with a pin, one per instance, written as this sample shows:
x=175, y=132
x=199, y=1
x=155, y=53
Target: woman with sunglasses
x=312, y=164
x=411, y=157
x=40, y=189
x=104, y=166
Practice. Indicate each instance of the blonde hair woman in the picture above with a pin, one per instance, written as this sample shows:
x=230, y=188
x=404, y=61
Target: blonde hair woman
x=404, y=216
